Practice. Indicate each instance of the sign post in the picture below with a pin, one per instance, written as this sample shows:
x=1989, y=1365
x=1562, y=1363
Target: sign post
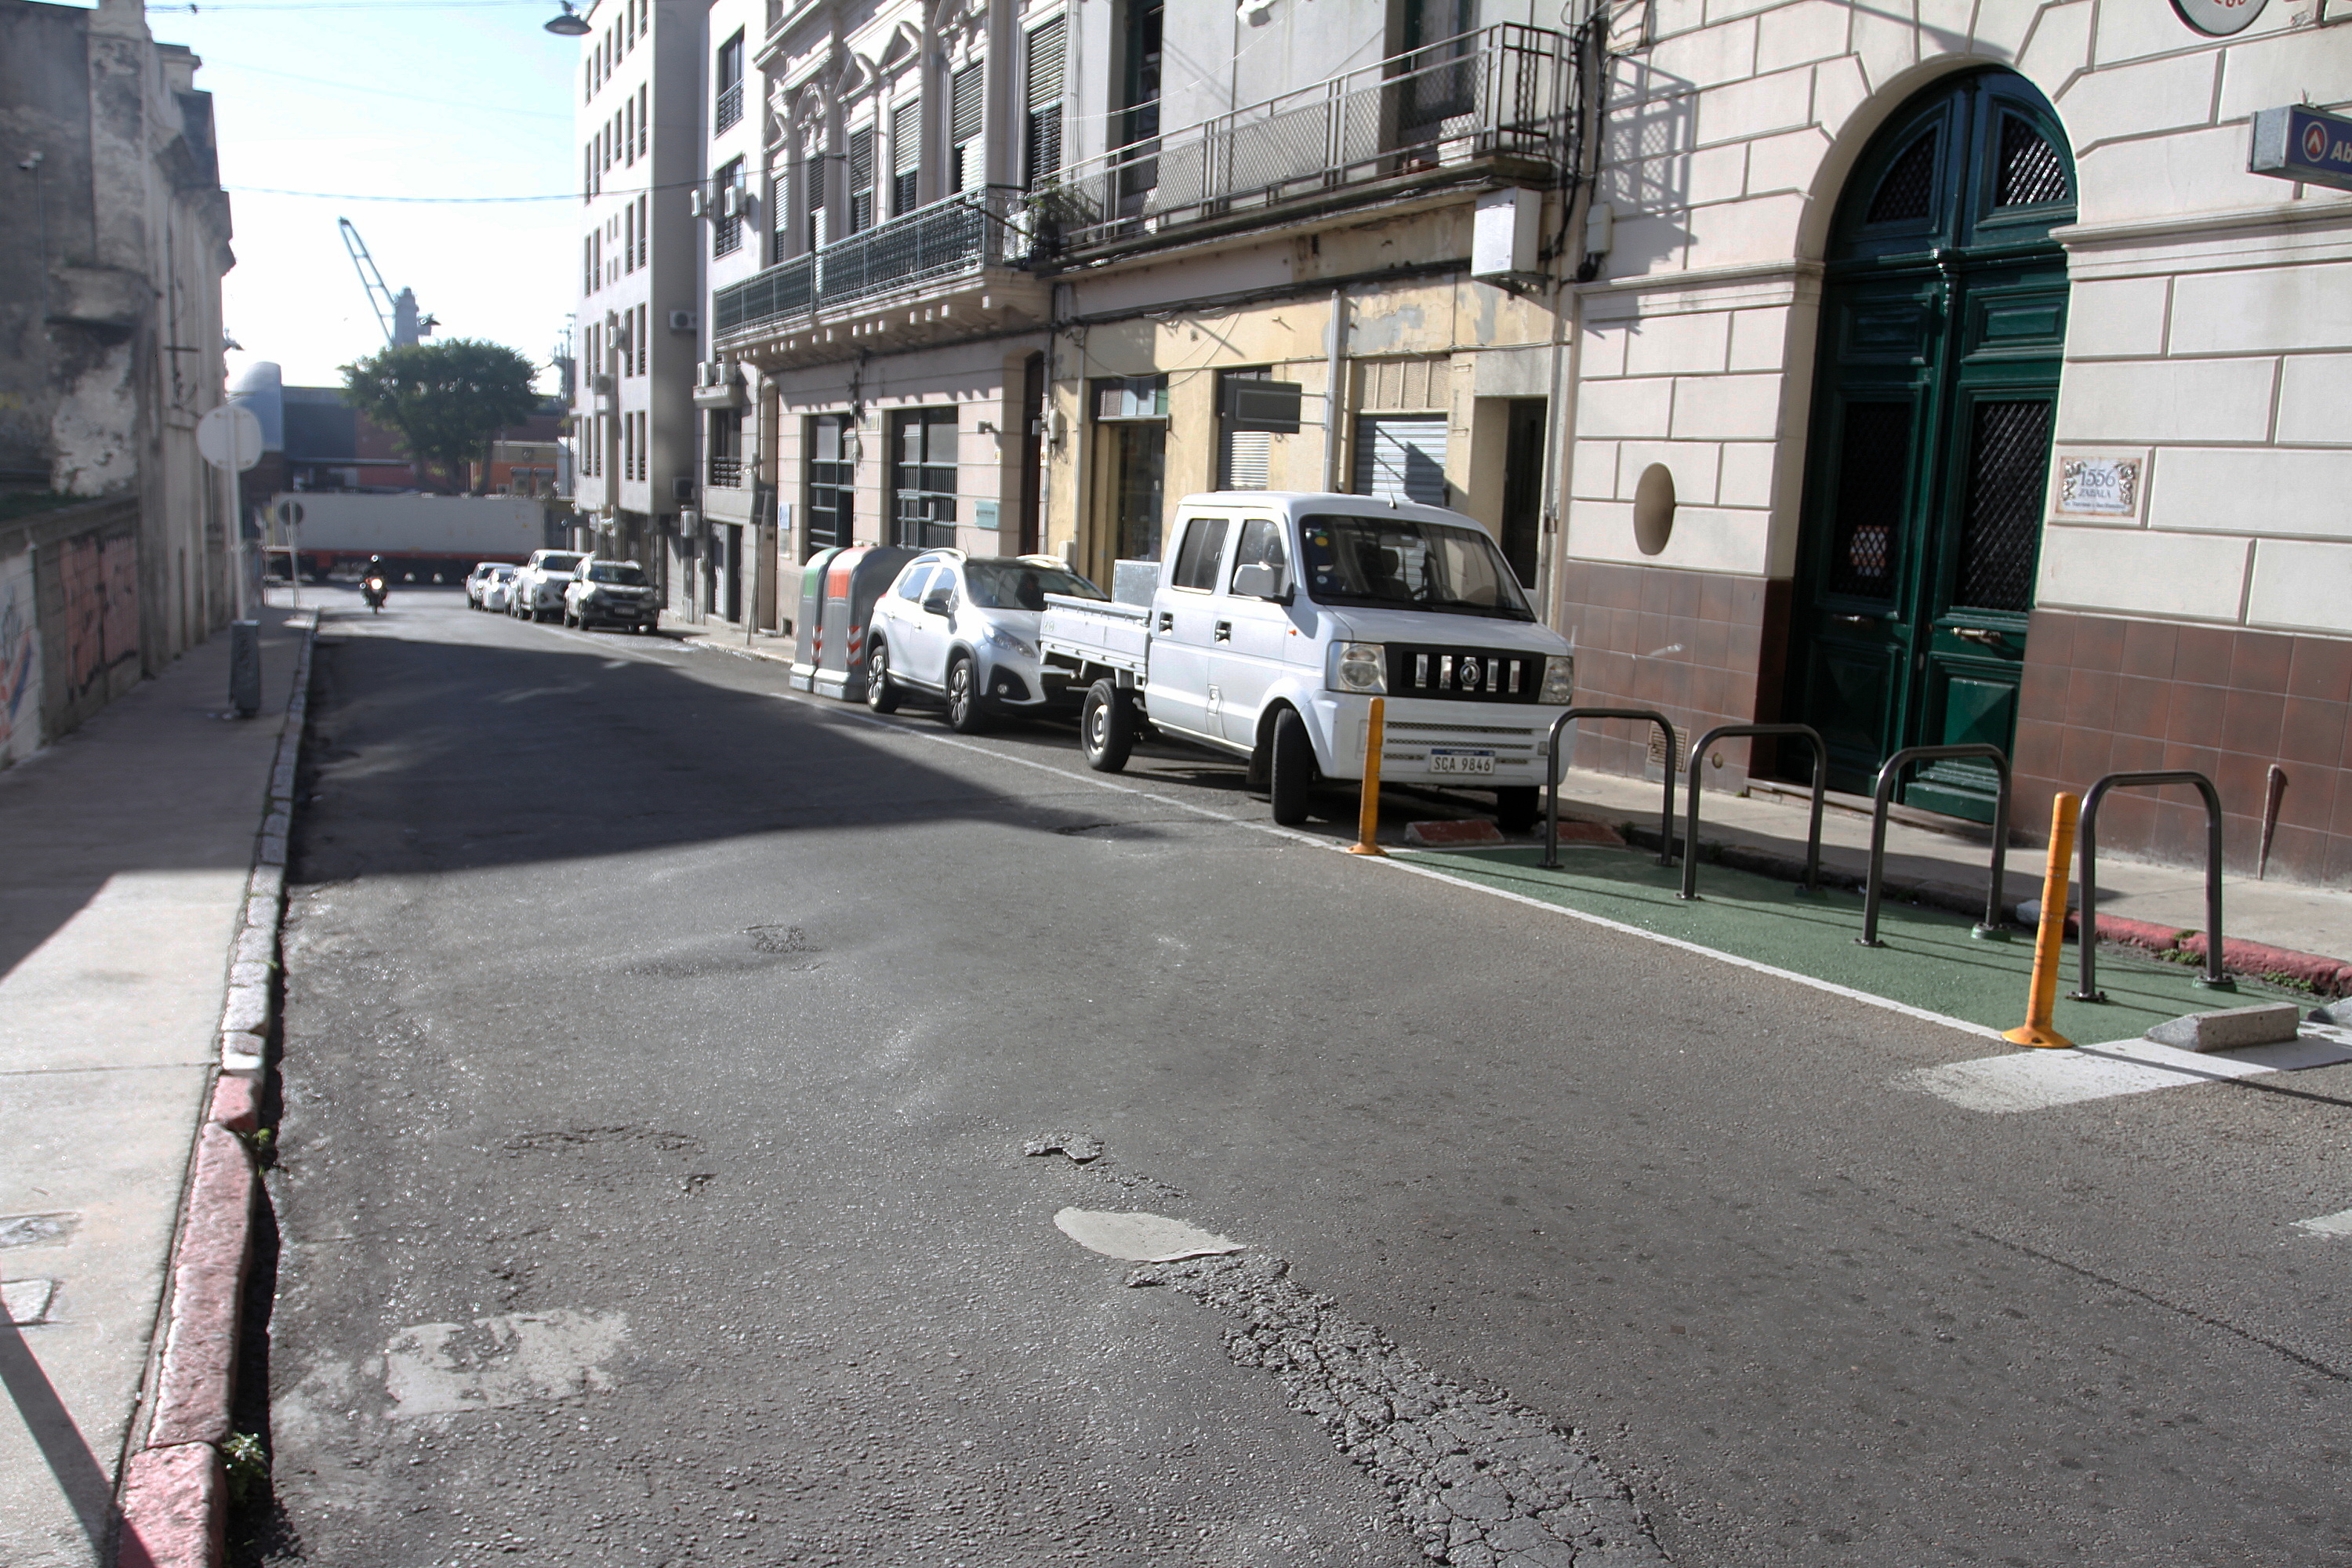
x=230, y=438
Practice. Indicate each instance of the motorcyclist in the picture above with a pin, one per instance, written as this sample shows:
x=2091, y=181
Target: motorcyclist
x=375, y=583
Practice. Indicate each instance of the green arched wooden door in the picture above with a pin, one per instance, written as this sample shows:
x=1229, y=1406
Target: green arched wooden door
x=1943, y=316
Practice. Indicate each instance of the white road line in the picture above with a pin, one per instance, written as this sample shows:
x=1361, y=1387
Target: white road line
x=835, y=709
x=2037, y=1080
x=2327, y=1224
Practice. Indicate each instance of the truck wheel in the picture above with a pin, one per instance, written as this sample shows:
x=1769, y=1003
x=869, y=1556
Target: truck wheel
x=1106, y=727
x=1291, y=767
x=965, y=714
x=1518, y=807
x=882, y=693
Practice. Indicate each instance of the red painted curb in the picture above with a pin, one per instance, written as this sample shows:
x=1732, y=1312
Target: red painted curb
x=1448, y=834
x=236, y=1104
x=199, y=1375
x=2327, y=976
x=175, y=1509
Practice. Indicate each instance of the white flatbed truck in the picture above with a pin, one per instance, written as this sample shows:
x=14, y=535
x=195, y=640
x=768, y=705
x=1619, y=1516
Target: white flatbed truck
x=1277, y=617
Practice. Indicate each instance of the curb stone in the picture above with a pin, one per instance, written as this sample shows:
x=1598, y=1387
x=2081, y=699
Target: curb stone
x=175, y=1493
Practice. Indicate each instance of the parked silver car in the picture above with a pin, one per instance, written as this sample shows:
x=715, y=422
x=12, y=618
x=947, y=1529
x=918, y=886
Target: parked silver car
x=964, y=628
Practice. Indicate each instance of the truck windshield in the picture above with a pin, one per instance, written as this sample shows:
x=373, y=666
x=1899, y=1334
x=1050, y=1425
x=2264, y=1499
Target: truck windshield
x=560, y=562
x=1401, y=562
x=1017, y=585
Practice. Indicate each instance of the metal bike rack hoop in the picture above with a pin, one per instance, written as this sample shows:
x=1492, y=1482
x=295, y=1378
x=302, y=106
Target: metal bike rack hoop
x=2215, y=978
x=1552, y=766
x=1821, y=782
x=1990, y=928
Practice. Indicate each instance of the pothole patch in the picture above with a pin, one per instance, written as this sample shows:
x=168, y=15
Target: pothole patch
x=1140, y=1237
x=1081, y=1147
x=1481, y=1480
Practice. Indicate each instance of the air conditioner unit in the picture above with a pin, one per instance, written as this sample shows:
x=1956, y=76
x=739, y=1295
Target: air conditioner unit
x=694, y=204
x=600, y=382
x=681, y=487
x=734, y=201
x=681, y=320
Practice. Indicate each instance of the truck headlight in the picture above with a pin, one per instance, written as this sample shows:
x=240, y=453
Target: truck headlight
x=1560, y=680
x=1360, y=666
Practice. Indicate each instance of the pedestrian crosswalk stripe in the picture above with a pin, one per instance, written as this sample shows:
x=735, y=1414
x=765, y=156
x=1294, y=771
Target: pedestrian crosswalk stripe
x=2037, y=1080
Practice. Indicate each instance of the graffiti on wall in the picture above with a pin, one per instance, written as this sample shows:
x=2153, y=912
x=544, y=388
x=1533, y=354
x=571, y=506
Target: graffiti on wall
x=101, y=595
x=20, y=661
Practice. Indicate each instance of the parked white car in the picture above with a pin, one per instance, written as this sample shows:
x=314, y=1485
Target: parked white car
x=964, y=630
x=610, y=594
x=477, y=581
x=539, y=585
x=499, y=592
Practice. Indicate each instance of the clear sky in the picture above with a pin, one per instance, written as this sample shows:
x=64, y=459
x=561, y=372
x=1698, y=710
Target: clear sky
x=434, y=98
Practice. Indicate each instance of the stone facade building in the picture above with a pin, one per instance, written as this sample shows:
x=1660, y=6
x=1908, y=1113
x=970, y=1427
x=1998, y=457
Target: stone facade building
x=1998, y=397
x=115, y=547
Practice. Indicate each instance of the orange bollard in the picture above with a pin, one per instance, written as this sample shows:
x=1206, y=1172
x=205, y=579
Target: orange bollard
x=1367, y=815
x=2041, y=997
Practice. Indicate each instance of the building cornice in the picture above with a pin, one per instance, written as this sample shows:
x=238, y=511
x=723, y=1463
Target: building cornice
x=2272, y=216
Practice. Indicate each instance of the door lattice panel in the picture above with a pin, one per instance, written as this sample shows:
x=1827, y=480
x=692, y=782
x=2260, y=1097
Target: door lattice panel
x=2009, y=457
x=1907, y=193
x=1872, y=466
x=2031, y=173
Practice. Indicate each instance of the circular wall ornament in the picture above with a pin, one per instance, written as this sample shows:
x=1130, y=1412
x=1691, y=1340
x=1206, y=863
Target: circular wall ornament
x=2220, y=18
x=1654, y=509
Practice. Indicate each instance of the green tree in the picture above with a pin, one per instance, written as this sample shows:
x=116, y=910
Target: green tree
x=447, y=401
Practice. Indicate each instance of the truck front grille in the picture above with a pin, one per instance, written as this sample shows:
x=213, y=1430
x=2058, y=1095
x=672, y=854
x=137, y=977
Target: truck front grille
x=1464, y=674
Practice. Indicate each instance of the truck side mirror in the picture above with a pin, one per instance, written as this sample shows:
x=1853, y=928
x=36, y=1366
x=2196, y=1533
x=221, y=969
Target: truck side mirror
x=1260, y=581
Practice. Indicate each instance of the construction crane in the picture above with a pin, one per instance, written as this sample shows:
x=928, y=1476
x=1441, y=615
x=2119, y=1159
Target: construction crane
x=395, y=313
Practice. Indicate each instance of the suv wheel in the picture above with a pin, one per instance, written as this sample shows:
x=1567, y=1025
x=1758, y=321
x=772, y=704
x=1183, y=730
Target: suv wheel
x=882, y=693
x=965, y=714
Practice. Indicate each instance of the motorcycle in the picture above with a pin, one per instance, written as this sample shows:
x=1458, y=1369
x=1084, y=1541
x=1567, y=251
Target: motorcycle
x=374, y=588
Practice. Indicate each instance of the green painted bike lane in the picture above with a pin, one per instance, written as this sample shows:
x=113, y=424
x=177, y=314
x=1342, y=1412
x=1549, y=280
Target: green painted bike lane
x=1930, y=962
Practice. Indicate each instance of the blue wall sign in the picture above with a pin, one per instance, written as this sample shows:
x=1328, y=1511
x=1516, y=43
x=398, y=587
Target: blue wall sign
x=2299, y=143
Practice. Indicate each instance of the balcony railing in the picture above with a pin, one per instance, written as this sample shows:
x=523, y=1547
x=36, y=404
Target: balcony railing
x=1500, y=92
x=726, y=473
x=730, y=108
x=959, y=234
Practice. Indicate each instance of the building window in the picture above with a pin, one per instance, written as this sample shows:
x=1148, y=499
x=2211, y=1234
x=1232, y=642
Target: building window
x=727, y=223
x=645, y=227
x=730, y=85
x=644, y=122
x=923, y=477
x=1041, y=129
x=905, y=156
x=813, y=172
x=965, y=97
x=645, y=336
x=726, y=460
x=832, y=476
x=861, y=179
x=1131, y=421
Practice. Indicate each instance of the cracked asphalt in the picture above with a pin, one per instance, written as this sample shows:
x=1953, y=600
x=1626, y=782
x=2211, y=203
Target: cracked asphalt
x=661, y=1051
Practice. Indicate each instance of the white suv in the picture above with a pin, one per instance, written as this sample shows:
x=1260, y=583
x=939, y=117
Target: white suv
x=611, y=593
x=539, y=587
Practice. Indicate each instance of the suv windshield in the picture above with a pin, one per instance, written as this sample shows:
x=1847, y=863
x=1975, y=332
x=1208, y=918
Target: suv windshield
x=1403, y=563
x=1018, y=585
x=560, y=562
x=604, y=572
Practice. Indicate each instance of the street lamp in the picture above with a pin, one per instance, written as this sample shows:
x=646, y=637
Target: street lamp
x=569, y=25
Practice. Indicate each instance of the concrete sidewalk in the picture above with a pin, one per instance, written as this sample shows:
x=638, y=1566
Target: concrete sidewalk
x=125, y=850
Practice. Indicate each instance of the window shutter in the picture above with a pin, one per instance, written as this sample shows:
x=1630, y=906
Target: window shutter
x=1247, y=458
x=907, y=137
x=1401, y=458
x=1047, y=49
x=964, y=100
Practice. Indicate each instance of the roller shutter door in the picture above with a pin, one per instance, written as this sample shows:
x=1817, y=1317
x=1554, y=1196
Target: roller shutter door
x=1401, y=457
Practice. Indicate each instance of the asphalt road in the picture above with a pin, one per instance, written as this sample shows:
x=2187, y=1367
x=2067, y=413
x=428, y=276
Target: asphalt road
x=661, y=1050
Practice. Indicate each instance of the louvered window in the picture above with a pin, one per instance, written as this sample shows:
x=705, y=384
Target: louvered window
x=906, y=155
x=861, y=179
x=2032, y=174
x=1907, y=193
x=1042, y=130
x=964, y=116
